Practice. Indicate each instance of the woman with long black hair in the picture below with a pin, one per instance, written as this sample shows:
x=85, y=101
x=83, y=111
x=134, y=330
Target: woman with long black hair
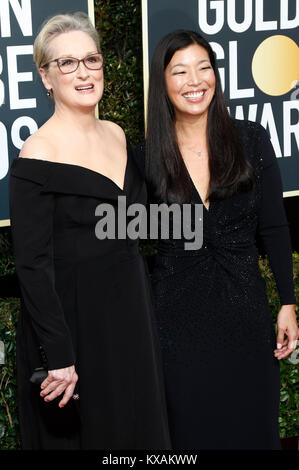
x=220, y=352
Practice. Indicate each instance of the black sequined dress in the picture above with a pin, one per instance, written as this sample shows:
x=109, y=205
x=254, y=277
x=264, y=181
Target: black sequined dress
x=215, y=324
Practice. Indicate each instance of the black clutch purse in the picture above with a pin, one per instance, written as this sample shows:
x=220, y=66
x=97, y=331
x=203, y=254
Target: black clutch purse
x=71, y=410
x=38, y=375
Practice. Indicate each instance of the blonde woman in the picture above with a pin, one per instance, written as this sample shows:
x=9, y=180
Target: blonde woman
x=86, y=321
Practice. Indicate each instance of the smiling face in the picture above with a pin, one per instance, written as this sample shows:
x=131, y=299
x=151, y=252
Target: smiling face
x=81, y=88
x=190, y=81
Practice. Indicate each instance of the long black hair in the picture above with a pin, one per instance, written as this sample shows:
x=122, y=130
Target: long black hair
x=166, y=173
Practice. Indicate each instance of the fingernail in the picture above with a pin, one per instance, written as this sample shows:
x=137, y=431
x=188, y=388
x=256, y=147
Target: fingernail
x=279, y=346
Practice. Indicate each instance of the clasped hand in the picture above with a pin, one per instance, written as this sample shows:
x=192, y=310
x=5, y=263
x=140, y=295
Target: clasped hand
x=57, y=382
x=286, y=325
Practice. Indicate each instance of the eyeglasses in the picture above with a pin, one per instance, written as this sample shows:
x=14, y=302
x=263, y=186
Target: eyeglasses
x=70, y=64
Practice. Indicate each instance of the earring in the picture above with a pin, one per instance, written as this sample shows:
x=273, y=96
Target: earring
x=49, y=92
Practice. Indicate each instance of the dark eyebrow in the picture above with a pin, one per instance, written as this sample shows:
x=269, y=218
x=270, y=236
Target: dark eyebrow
x=184, y=65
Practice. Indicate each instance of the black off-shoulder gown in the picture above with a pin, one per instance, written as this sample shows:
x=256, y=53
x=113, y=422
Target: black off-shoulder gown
x=213, y=316
x=85, y=302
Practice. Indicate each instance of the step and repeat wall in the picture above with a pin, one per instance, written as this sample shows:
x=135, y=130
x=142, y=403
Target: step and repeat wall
x=255, y=42
x=256, y=45
x=24, y=105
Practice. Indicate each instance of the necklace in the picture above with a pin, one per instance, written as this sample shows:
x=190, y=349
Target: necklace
x=198, y=153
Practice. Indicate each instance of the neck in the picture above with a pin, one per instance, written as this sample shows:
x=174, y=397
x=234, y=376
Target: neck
x=191, y=130
x=78, y=118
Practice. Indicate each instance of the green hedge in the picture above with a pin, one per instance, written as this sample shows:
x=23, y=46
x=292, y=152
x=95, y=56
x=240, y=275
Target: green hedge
x=289, y=367
x=9, y=430
x=6, y=259
x=119, y=25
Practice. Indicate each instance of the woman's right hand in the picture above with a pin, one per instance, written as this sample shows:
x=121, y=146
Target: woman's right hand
x=57, y=382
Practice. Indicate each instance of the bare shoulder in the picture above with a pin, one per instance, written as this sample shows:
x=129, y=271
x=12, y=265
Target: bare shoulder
x=113, y=130
x=37, y=146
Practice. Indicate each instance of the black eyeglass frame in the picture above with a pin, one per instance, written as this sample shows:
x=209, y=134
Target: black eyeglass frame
x=78, y=62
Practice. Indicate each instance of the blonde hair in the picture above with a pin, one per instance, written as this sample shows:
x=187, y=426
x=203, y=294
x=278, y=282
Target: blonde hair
x=60, y=24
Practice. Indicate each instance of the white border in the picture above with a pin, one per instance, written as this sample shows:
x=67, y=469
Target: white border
x=91, y=11
x=4, y=223
x=90, y=6
x=291, y=193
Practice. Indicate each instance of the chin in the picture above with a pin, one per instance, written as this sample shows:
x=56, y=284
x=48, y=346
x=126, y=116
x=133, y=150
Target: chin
x=195, y=112
x=87, y=101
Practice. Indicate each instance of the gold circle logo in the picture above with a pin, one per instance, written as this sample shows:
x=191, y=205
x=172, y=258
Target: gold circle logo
x=275, y=65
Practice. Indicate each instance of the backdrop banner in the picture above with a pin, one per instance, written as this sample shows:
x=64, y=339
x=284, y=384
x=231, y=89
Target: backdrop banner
x=24, y=105
x=256, y=45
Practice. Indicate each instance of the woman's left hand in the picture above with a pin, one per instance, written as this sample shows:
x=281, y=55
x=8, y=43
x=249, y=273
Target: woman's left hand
x=286, y=325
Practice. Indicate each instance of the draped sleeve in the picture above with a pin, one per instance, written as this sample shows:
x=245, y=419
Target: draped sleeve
x=31, y=213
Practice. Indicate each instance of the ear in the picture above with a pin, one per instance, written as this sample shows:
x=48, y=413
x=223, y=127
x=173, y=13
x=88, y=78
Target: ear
x=45, y=79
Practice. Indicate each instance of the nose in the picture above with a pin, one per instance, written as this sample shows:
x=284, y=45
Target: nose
x=194, y=77
x=82, y=71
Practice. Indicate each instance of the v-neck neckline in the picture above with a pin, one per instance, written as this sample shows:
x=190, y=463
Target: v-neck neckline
x=208, y=210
